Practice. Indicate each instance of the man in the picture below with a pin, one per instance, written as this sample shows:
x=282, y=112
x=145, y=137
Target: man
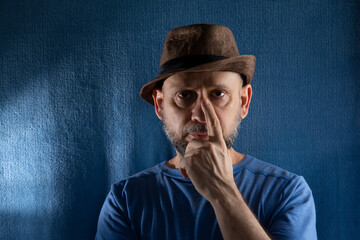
x=208, y=190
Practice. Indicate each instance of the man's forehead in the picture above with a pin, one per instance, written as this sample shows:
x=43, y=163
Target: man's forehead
x=203, y=79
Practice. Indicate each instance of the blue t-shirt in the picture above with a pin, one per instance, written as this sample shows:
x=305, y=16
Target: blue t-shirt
x=159, y=203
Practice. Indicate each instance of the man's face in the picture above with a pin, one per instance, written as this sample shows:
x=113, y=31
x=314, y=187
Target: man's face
x=179, y=106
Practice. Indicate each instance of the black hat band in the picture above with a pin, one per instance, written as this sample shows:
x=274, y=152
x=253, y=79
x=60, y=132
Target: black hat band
x=189, y=61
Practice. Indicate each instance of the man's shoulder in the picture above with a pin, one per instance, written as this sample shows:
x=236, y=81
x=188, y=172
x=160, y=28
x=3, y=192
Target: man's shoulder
x=258, y=167
x=142, y=176
x=257, y=172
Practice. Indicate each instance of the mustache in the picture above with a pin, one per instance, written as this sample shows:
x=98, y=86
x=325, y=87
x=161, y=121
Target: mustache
x=195, y=128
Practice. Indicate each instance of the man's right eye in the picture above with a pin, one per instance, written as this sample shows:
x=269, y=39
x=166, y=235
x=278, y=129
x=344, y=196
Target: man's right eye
x=185, y=98
x=184, y=95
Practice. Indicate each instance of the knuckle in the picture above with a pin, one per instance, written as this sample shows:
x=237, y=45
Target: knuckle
x=215, y=122
x=212, y=148
x=199, y=151
x=188, y=148
x=209, y=145
x=191, y=162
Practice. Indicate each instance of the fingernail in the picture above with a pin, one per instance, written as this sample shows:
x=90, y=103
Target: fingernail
x=206, y=101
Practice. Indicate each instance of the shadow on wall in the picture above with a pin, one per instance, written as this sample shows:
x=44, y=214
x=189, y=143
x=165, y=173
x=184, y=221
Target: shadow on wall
x=53, y=157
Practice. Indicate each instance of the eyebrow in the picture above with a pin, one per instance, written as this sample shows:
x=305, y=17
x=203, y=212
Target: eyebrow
x=218, y=86
x=222, y=86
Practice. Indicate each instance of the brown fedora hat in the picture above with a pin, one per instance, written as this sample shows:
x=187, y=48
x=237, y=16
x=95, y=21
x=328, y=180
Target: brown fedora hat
x=199, y=48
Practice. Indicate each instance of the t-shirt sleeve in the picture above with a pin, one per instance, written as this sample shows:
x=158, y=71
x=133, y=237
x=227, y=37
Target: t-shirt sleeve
x=113, y=221
x=295, y=217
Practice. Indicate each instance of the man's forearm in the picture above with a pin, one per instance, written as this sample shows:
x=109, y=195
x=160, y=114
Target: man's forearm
x=235, y=218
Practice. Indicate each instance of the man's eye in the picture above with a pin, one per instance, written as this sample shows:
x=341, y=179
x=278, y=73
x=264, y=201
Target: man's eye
x=184, y=95
x=218, y=93
x=185, y=98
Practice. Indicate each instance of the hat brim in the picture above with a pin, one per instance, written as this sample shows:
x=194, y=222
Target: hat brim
x=243, y=64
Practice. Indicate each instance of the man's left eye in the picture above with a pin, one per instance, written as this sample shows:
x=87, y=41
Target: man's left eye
x=218, y=93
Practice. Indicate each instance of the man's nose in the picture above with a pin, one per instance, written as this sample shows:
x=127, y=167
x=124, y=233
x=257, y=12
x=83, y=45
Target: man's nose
x=197, y=114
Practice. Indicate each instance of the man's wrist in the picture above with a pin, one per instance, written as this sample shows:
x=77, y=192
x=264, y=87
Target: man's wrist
x=229, y=196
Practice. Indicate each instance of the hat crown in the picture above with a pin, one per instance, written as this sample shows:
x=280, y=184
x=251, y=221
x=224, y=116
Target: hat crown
x=199, y=39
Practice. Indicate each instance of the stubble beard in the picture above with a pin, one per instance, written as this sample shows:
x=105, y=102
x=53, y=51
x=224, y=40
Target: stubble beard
x=180, y=144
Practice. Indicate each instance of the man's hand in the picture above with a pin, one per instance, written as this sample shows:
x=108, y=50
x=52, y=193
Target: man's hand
x=209, y=167
x=207, y=162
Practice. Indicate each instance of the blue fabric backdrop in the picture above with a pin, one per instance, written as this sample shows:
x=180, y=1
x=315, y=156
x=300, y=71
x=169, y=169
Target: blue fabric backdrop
x=72, y=121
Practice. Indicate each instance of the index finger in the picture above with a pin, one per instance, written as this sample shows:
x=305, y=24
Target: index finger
x=212, y=121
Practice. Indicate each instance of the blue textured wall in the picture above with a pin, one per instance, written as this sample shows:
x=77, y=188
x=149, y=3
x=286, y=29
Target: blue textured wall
x=72, y=122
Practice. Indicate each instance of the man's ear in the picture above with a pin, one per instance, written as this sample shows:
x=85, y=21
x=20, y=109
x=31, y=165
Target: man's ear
x=245, y=95
x=158, y=98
